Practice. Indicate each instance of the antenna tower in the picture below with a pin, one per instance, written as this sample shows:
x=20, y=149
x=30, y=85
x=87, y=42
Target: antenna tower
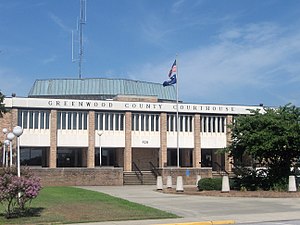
x=78, y=37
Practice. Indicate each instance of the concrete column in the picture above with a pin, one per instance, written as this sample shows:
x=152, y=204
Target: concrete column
x=91, y=147
x=163, y=140
x=229, y=121
x=159, y=183
x=225, y=184
x=128, y=148
x=292, y=184
x=53, y=139
x=179, y=184
x=197, y=142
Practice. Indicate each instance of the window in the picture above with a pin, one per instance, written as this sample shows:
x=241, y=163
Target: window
x=71, y=120
x=145, y=122
x=109, y=121
x=29, y=119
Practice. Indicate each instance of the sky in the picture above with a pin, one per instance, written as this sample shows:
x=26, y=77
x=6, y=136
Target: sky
x=228, y=51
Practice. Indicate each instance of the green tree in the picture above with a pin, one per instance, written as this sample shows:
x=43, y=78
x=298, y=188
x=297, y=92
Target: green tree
x=270, y=138
x=2, y=106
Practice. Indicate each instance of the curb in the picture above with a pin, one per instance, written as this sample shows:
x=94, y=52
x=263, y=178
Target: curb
x=219, y=222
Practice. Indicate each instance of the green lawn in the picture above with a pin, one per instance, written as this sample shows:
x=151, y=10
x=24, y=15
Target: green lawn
x=73, y=205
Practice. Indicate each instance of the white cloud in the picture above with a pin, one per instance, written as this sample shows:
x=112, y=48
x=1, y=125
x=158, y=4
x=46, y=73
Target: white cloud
x=50, y=59
x=253, y=59
x=59, y=22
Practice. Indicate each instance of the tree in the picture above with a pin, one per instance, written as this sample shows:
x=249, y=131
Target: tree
x=2, y=106
x=16, y=192
x=270, y=138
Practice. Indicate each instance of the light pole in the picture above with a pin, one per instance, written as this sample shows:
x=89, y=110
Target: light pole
x=18, y=131
x=5, y=158
x=100, y=150
x=10, y=136
x=5, y=131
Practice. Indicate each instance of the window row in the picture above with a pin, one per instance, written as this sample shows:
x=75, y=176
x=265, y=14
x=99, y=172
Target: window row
x=145, y=122
x=109, y=121
x=185, y=123
x=33, y=119
x=214, y=124
x=67, y=120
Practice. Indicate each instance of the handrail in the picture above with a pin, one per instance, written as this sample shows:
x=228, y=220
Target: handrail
x=154, y=169
x=220, y=169
x=138, y=172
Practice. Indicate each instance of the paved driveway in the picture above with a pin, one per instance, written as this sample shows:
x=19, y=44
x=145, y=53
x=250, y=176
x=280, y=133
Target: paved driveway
x=202, y=208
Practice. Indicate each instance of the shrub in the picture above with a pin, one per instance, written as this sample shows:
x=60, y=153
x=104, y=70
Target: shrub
x=209, y=184
x=16, y=191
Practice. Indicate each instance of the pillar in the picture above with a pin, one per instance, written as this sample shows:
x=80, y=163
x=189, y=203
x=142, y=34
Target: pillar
x=163, y=140
x=128, y=148
x=197, y=142
x=91, y=140
x=53, y=139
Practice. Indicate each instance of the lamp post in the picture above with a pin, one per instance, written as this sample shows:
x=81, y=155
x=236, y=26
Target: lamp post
x=100, y=150
x=18, y=131
x=5, y=158
x=10, y=136
x=5, y=131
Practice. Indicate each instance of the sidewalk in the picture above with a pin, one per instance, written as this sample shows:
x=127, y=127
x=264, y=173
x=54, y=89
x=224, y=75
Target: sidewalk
x=203, y=208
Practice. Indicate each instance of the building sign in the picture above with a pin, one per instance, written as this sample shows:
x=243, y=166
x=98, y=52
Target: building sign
x=61, y=104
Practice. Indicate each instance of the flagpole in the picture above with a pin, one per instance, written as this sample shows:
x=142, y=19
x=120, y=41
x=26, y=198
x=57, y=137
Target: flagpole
x=177, y=113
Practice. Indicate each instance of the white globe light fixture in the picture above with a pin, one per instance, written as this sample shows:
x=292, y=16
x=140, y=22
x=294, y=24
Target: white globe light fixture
x=5, y=130
x=18, y=131
x=6, y=142
x=10, y=136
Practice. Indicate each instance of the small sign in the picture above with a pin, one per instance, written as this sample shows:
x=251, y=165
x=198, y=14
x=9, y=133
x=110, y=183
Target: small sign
x=187, y=173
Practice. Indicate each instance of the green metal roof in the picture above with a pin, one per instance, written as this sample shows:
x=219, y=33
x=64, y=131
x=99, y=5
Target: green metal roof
x=99, y=88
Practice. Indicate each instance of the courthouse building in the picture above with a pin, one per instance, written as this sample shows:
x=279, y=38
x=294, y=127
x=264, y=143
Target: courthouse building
x=95, y=131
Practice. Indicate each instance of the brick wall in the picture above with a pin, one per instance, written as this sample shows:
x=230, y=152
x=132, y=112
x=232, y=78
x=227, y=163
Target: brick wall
x=79, y=176
x=187, y=180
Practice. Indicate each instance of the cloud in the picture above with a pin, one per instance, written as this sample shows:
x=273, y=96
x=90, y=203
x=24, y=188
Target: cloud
x=50, y=59
x=176, y=6
x=59, y=22
x=245, y=64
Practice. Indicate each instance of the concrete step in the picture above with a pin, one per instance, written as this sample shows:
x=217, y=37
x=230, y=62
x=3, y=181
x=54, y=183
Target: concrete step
x=130, y=178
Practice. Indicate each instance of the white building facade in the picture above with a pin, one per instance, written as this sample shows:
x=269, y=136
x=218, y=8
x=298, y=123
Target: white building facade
x=126, y=133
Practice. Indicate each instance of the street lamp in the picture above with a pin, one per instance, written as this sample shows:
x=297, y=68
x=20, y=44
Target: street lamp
x=100, y=150
x=5, y=158
x=10, y=137
x=18, y=131
x=5, y=130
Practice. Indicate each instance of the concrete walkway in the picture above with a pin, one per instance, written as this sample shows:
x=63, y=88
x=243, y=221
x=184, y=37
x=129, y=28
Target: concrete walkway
x=202, y=208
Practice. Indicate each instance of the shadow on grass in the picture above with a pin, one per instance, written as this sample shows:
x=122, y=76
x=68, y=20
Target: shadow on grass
x=28, y=212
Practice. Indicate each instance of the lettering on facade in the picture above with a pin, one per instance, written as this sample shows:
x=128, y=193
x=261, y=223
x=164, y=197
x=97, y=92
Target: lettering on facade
x=140, y=106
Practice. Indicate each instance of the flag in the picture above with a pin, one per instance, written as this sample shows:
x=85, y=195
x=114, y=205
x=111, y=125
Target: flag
x=172, y=76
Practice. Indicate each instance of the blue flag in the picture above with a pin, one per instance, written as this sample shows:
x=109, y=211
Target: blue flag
x=172, y=76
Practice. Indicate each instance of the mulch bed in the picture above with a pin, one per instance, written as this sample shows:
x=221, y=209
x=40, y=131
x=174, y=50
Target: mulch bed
x=258, y=194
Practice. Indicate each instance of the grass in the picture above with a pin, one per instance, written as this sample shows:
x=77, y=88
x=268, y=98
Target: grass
x=73, y=205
